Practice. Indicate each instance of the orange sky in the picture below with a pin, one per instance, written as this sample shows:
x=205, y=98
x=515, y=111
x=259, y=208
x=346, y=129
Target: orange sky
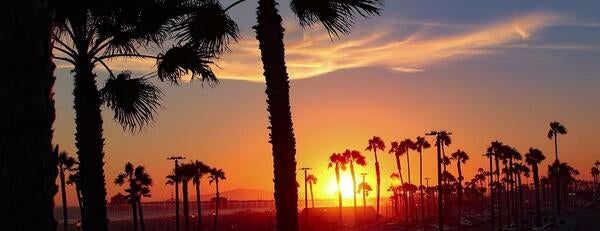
x=500, y=78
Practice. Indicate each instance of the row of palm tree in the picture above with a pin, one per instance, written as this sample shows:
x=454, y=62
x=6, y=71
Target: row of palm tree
x=194, y=172
x=341, y=161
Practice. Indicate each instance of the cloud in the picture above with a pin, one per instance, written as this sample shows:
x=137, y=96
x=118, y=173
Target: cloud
x=312, y=52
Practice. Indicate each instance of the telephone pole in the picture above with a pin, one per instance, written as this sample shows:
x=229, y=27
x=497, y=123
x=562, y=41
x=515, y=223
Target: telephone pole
x=176, y=160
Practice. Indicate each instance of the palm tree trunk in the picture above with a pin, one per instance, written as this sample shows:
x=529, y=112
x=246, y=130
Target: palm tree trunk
x=491, y=182
x=378, y=175
x=421, y=188
x=353, y=188
x=64, y=199
x=312, y=199
x=176, y=200
x=410, y=194
x=337, y=178
x=521, y=202
x=557, y=174
x=269, y=33
x=139, y=203
x=186, y=208
x=499, y=190
x=199, y=205
x=134, y=213
x=459, y=191
x=90, y=142
x=215, y=225
x=440, y=192
x=27, y=162
x=538, y=205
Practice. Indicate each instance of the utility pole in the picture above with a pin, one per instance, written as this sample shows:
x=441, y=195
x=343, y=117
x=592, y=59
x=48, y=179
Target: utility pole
x=438, y=143
x=176, y=160
x=305, y=196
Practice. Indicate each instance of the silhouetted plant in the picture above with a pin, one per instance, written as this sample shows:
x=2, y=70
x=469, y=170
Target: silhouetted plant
x=374, y=144
x=354, y=157
x=65, y=163
x=187, y=172
x=461, y=157
x=311, y=179
x=201, y=170
x=556, y=129
x=408, y=145
x=215, y=176
x=90, y=33
x=138, y=185
x=420, y=144
x=338, y=161
x=533, y=158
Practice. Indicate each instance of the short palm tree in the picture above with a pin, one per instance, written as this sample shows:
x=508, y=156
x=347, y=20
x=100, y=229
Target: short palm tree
x=595, y=172
x=420, y=144
x=461, y=157
x=214, y=177
x=74, y=180
x=139, y=182
x=364, y=188
x=533, y=158
x=556, y=128
x=375, y=144
x=175, y=179
x=337, y=161
x=65, y=163
x=88, y=35
x=351, y=158
x=201, y=170
x=311, y=179
x=187, y=171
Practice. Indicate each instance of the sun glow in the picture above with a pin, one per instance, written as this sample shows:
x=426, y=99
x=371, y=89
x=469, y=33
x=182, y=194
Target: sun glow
x=345, y=185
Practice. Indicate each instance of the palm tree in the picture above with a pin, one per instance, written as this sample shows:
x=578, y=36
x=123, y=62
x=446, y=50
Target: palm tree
x=496, y=148
x=215, y=176
x=595, y=172
x=351, y=158
x=87, y=35
x=420, y=144
x=187, y=171
x=337, y=161
x=28, y=162
x=74, y=180
x=201, y=169
x=491, y=184
x=139, y=183
x=311, y=179
x=556, y=129
x=398, y=150
x=461, y=157
x=337, y=18
x=374, y=144
x=175, y=179
x=364, y=188
x=519, y=169
x=65, y=163
x=533, y=158
x=409, y=145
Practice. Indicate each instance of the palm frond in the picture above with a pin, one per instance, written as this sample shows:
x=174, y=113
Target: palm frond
x=181, y=60
x=337, y=16
x=134, y=100
x=208, y=27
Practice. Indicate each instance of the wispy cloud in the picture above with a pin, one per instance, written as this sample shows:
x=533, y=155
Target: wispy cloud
x=312, y=52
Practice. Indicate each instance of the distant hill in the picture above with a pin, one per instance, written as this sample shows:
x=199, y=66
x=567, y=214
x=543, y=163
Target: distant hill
x=242, y=194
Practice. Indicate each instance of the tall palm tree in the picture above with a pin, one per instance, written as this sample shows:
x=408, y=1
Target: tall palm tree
x=420, y=144
x=187, y=171
x=461, y=157
x=352, y=157
x=28, y=162
x=521, y=169
x=556, y=128
x=398, y=150
x=491, y=184
x=337, y=18
x=409, y=145
x=214, y=177
x=201, y=169
x=338, y=161
x=533, y=158
x=311, y=179
x=65, y=163
x=512, y=154
x=496, y=148
x=375, y=144
x=139, y=182
x=90, y=33
x=175, y=179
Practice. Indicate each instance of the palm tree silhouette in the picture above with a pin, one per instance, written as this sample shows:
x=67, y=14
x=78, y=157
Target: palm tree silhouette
x=374, y=144
x=175, y=179
x=408, y=144
x=489, y=155
x=28, y=172
x=88, y=35
x=420, y=144
x=337, y=161
x=187, y=171
x=351, y=158
x=201, y=169
x=139, y=182
x=595, y=172
x=311, y=179
x=521, y=169
x=556, y=129
x=74, y=180
x=533, y=158
x=215, y=176
x=65, y=163
x=496, y=148
x=398, y=151
x=364, y=188
x=461, y=157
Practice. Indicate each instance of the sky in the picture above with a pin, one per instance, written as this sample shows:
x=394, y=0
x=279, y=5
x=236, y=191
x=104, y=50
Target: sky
x=485, y=71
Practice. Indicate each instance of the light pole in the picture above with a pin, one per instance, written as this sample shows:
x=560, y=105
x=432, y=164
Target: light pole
x=305, y=196
x=176, y=160
x=438, y=143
